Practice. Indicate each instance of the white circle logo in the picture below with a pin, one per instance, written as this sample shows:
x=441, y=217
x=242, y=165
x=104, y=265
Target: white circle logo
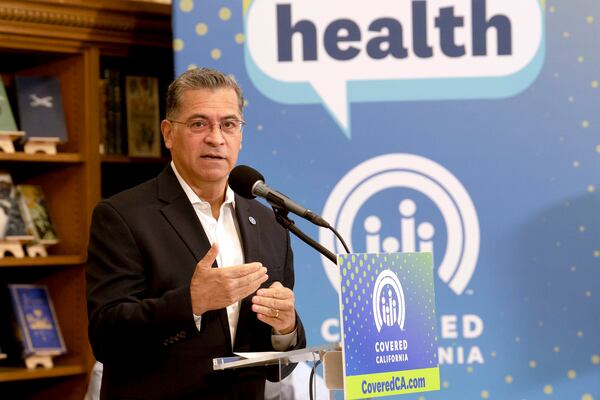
x=389, y=307
x=420, y=174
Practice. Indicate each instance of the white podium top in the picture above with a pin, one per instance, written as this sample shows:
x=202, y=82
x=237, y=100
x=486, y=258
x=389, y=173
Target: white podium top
x=273, y=357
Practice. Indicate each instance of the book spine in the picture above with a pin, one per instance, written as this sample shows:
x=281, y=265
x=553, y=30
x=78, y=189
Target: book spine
x=110, y=112
x=118, y=114
x=20, y=328
x=102, y=111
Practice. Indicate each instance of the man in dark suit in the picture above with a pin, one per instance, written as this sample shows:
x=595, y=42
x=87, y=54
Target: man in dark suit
x=180, y=270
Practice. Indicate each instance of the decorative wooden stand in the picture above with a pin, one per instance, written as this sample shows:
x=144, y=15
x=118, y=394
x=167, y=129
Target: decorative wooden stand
x=41, y=145
x=15, y=248
x=34, y=361
x=36, y=250
x=7, y=138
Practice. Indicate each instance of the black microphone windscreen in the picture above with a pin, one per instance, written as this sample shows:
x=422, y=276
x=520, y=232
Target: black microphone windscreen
x=242, y=178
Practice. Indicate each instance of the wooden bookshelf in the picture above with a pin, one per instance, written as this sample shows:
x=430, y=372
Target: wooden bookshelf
x=10, y=374
x=122, y=159
x=43, y=158
x=50, y=261
x=74, y=40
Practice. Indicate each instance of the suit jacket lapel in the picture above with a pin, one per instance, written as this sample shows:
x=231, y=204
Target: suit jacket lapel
x=250, y=236
x=249, y=229
x=182, y=217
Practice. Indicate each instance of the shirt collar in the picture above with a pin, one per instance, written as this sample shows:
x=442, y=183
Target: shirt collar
x=194, y=198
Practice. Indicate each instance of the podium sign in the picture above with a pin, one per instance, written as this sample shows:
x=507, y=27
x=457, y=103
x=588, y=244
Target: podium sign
x=388, y=323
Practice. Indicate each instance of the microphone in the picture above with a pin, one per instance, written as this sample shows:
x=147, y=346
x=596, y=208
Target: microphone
x=249, y=183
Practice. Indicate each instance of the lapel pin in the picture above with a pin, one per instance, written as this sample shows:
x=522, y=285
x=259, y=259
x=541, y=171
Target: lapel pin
x=252, y=220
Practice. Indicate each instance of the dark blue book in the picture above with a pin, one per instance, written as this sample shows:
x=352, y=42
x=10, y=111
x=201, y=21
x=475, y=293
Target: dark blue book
x=41, y=110
x=36, y=320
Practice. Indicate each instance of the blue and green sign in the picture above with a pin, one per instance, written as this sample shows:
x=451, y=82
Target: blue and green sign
x=390, y=338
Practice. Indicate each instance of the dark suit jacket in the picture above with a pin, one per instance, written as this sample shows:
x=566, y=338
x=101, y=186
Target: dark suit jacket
x=144, y=246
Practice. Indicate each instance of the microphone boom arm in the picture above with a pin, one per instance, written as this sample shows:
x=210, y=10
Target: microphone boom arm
x=281, y=215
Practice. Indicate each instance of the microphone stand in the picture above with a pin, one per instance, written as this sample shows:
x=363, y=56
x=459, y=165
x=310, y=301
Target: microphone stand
x=281, y=215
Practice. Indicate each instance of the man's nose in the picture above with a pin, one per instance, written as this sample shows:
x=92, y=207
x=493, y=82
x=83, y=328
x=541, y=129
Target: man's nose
x=215, y=134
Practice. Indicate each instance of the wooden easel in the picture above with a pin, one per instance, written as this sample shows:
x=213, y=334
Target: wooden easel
x=13, y=247
x=36, y=250
x=41, y=145
x=34, y=361
x=7, y=138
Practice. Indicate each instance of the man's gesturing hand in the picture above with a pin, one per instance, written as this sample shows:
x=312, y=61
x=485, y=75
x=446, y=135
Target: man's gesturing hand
x=275, y=306
x=214, y=288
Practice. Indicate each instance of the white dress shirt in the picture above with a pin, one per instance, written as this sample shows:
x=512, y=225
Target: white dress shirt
x=225, y=232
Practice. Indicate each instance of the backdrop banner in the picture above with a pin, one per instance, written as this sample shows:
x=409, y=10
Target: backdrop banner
x=466, y=128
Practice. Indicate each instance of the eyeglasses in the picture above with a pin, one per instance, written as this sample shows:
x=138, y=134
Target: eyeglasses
x=229, y=126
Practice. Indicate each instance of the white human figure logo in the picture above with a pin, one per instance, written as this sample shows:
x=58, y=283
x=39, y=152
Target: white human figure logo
x=389, y=307
x=456, y=262
x=424, y=233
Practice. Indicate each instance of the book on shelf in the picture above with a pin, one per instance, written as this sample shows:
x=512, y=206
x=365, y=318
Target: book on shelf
x=37, y=214
x=7, y=119
x=113, y=131
x=9, y=345
x=143, y=116
x=12, y=223
x=36, y=325
x=41, y=112
x=102, y=89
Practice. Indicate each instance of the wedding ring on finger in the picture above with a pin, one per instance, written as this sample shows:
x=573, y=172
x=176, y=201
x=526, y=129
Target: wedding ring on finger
x=276, y=313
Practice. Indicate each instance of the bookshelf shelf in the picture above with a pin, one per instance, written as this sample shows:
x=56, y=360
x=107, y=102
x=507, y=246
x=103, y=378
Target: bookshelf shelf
x=120, y=159
x=43, y=158
x=50, y=261
x=11, y=374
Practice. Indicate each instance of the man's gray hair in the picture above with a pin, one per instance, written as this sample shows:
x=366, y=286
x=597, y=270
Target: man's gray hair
x=200, y=78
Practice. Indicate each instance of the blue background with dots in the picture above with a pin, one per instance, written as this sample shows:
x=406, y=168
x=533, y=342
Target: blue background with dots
x=531, y=164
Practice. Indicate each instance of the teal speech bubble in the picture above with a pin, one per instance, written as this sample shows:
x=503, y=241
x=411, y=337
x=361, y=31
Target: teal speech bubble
x=337, y=52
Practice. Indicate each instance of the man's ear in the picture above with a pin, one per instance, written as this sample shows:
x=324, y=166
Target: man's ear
x=166, y=129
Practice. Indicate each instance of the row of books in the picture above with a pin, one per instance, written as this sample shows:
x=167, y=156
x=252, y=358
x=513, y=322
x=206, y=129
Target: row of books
x=129, y=110
x=29, y=325
x=132, y=130
x=39, y=105
x=24, y=214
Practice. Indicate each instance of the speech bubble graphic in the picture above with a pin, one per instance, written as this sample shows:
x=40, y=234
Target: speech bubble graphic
x=337, y=52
